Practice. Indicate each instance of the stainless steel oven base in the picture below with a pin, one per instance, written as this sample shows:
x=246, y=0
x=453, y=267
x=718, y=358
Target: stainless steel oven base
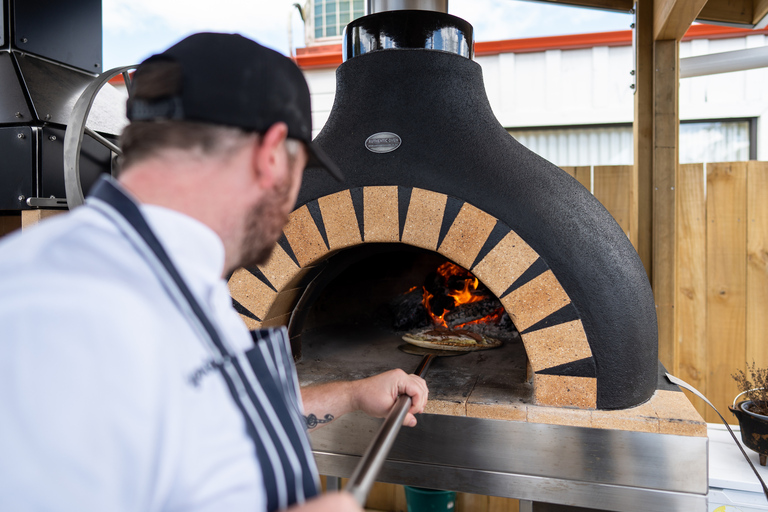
x=575, y=466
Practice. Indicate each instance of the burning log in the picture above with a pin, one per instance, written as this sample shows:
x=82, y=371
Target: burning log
x=452, y=298
x=409, y=311
x=464, y=313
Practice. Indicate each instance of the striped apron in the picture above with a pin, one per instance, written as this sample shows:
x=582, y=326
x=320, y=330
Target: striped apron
x=262, y=381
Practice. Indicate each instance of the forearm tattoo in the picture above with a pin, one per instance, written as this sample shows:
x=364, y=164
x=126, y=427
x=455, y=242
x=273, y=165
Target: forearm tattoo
x=313, y=421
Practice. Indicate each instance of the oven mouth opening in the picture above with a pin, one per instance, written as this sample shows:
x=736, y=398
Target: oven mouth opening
x=348, y=326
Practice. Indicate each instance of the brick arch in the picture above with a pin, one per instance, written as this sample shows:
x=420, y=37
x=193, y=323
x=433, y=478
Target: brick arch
x=559, y=354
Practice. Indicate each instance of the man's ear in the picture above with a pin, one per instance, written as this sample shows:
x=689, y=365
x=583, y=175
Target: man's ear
x=267, y=156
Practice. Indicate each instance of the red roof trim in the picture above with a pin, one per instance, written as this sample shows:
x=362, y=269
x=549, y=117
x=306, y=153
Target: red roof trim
x=618, y=38
x=118, y=79
x=569, y=42
x=312, y=57
x=329, y=56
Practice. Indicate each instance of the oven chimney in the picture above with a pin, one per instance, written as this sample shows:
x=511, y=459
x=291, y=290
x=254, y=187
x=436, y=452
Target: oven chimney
x=374, y=6
x=408, y=25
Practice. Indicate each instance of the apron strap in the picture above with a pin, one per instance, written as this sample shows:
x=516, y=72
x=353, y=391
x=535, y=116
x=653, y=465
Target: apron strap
x=282, y=448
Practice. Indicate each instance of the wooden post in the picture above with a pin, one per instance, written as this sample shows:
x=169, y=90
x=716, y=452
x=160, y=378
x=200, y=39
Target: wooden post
x=665, y=156
x=669, y=22
x=641, y=211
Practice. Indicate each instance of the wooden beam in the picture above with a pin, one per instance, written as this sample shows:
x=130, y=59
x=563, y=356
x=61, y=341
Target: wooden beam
x=610, y=5
x=729, y=11
x=741, y=12
x=759, y=11
x=672, y=18
x=641, y=213
x=665, y=157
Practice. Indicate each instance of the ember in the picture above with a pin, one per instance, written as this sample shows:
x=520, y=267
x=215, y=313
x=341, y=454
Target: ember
x=452, y=298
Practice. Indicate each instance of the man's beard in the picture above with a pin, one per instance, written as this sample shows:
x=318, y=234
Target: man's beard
x=263, y=227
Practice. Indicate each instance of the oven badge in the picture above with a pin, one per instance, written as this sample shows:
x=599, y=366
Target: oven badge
x=383, y=142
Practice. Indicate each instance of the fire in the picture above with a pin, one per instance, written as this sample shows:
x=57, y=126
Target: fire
x=466, y=294
x=437, y=320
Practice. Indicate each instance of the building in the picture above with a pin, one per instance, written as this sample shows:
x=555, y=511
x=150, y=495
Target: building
x=571, y=98
x=324, y=20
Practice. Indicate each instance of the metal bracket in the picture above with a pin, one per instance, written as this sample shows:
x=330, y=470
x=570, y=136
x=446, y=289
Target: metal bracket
x=633, y=72
x=47, y=202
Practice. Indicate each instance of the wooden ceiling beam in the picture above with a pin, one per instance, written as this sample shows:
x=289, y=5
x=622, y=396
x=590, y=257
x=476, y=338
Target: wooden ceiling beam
x=730, y=11
x=672, y=18
x=673, y=13
x=759, y=11
x=610, y=5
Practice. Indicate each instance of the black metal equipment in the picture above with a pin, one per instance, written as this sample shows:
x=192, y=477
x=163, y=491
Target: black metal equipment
x=49, y=52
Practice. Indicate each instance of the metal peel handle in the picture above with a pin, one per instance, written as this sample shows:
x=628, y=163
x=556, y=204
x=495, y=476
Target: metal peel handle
x=367, y=469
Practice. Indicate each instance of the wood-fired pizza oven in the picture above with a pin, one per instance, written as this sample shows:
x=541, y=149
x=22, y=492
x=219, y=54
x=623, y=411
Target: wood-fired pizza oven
x=431, y=176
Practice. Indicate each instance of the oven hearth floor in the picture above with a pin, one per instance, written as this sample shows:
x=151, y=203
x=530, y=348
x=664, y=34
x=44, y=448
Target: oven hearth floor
x=484, y=384
x=490, y=377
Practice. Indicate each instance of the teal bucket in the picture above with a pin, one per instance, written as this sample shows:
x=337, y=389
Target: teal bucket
x=429, y=500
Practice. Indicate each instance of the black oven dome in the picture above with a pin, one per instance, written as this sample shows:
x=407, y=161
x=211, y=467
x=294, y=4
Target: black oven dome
x=451, y=143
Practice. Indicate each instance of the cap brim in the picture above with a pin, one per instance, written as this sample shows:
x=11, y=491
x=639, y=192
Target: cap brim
x=318, y=158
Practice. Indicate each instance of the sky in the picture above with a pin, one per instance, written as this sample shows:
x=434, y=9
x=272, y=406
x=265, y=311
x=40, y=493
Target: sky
x=136, y=29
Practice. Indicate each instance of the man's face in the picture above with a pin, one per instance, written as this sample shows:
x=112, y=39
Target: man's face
x=266, y=220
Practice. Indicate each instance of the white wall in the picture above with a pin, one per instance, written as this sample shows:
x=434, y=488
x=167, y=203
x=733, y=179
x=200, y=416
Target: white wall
x=560, y=87
x=322, y=88
x=592, y=86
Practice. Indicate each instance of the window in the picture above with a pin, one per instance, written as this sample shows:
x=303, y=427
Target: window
x=723, y=140
x=716, y=141
x=331, y=16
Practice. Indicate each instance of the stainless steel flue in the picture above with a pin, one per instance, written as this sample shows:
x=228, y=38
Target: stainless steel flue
x=374, y=6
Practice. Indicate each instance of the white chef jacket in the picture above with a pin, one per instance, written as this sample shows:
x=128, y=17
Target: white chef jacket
x=97, y=406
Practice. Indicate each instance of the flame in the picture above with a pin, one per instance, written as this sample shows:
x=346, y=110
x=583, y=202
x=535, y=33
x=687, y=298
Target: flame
x=466, y=295
x=437, y=320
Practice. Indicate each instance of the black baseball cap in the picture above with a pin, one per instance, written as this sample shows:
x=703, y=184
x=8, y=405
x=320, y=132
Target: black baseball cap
x=230, y=80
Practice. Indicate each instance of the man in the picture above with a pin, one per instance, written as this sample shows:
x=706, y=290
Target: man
x=127, y=381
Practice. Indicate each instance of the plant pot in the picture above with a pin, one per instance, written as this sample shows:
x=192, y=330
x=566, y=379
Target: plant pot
x=419, y=499
x=754, y=429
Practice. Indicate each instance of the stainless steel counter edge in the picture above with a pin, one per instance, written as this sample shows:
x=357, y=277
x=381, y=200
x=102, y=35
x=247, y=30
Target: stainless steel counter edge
x=523, y=487
x=520, y=454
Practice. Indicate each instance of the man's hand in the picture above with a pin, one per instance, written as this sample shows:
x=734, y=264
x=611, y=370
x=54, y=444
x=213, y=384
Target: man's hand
x=329, y=502
x=376, y=395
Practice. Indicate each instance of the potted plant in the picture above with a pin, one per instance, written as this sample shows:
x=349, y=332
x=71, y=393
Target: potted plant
x=753, y=412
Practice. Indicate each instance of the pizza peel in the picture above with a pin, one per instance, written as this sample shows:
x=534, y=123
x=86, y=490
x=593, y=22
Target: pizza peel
x=367, y=469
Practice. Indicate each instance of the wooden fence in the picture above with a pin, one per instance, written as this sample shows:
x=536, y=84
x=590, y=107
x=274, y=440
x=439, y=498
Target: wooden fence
x=721, y=263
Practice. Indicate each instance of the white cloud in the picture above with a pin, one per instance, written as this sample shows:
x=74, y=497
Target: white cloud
x=188, y=15
x=136, y=29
